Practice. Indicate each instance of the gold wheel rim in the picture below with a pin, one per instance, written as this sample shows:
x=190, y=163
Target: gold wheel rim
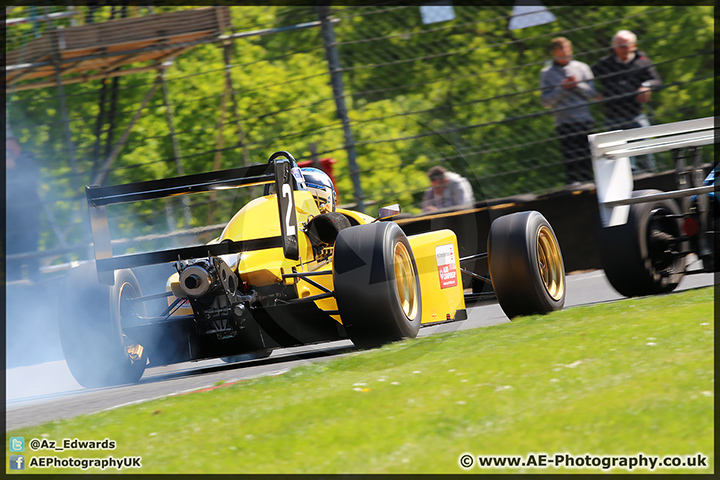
x=550, y=263
x=405, y=281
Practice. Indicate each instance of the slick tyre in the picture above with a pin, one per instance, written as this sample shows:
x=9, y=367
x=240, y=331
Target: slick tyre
x=641, y=256
x=97, y=350
x=323, y=229
x=526, y=265
x=376, y=284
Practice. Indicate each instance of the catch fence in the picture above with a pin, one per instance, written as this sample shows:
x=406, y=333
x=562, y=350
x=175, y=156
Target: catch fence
x=385, y=91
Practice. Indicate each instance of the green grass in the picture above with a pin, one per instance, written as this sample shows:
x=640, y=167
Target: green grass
x=611, y=379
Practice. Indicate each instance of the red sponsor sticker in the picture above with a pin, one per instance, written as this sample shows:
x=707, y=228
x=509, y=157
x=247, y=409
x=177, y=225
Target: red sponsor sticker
x=445, y=256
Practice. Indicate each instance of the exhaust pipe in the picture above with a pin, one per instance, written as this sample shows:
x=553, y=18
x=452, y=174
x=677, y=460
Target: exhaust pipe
x=196, y=281
x=203, y=277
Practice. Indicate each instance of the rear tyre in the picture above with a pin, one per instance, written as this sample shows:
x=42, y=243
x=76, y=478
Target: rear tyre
x=376, y=284
x=526, y=265
x=323, y=229
x=641, y=257
x=97, y=350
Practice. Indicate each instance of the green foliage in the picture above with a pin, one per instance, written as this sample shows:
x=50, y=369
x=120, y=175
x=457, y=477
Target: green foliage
x=462, y=93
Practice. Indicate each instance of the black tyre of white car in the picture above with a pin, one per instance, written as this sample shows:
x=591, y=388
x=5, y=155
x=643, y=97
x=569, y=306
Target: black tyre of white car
x=97, y=351
x=376, y=284
x=641, y=257
x=526, y=265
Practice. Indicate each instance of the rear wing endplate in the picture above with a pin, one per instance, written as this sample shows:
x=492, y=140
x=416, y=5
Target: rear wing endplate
x=611, y=152
x=277, y=171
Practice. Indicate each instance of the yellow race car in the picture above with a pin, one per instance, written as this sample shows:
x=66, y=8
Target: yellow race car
x=290, y=268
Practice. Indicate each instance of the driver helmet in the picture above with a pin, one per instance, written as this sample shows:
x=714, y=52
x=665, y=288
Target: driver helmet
x=320, y=185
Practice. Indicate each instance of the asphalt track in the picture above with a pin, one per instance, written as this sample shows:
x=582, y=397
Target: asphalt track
x=40, y=393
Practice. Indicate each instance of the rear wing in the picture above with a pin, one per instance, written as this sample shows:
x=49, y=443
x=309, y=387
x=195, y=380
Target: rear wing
x=611, y=152
x=279, y=171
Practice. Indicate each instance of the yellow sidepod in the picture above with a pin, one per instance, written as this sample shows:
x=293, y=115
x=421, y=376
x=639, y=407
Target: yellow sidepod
x=359, y=217
x=306, y=289
x=436, y=255
x=258, y=219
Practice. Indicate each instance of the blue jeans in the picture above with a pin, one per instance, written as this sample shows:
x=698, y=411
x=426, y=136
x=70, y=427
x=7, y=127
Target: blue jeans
x=640, y=163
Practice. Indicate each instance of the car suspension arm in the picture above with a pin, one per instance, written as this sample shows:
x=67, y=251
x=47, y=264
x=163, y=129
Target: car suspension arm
x=475, y=275
x=304, y=275
x=474, y=257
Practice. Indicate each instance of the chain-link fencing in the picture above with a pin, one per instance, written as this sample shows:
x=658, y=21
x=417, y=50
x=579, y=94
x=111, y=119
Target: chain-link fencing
x=384, y=91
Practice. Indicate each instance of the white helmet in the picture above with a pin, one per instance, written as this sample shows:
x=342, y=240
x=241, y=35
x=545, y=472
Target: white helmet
x=321, y=187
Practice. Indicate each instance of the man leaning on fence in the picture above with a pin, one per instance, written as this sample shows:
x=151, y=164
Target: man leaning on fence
x=447, y=189
x=566, y=87
x=22, y=209
x=626, y=79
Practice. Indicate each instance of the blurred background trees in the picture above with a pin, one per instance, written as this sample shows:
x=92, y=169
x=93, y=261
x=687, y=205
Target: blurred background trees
x=463, y=93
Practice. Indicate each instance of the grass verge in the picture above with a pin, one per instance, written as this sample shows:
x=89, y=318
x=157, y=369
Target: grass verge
x=628, y=377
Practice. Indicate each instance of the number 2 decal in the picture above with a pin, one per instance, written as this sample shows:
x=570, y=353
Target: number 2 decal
x=287, y=193
x=286, y=209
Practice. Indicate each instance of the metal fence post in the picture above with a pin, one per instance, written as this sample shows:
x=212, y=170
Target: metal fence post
x=331, y=52
x=173, y=136
x=55, y=34
x=227, y=47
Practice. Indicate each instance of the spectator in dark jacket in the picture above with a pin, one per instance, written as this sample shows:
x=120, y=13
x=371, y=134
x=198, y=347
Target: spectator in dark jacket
x=626, y=79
